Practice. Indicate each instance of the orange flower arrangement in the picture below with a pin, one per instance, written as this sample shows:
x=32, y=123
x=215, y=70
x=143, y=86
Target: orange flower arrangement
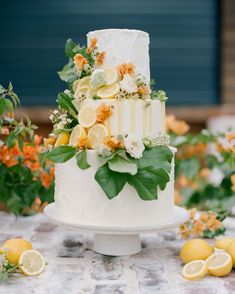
x=92, y=45
x=179, y=127
x=80, y=61
x=126, y=68
x=100, y=58
x=112, y=143
x=144, y=90
x=103, y=112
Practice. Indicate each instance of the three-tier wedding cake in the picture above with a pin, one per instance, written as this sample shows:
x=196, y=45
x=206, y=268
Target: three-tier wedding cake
x=113, y=163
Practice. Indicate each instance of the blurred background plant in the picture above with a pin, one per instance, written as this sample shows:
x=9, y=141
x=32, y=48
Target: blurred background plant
x=26, y=183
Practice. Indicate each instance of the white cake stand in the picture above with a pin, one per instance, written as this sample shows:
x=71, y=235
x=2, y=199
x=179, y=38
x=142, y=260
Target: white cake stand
x=118, y=241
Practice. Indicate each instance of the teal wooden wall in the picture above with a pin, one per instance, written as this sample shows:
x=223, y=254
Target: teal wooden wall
x=184, y=43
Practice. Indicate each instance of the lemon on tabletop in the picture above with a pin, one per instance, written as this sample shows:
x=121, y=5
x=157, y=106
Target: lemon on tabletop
x=96, y=134
x=31, y=262
x=81, y=82
x=195, y=270
x=77, y=134
x=231, y=250
x=108, y=91
x=224, y=242
x=219, y=264
x=87, y=116
x=195, y=249
x=13, y=248
x=62, y=139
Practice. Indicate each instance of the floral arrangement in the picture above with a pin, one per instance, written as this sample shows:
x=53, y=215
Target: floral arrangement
x=26, y=183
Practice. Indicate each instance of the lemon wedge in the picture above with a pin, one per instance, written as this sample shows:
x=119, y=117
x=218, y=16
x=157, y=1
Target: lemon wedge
x=108, y=91
x=77, y=133
x=81, y=92
x=62, y=139
x=195, y=270
x=219, y=264
x=31, y=262
x=81, y=82
x=87, y=116
x=111, y=74
x=96, y=134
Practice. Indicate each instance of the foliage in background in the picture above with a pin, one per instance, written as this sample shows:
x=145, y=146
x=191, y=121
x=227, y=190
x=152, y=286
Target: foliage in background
x=25, y=182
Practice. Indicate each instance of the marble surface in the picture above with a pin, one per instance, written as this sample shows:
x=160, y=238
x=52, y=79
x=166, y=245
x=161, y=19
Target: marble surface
x=73, y=268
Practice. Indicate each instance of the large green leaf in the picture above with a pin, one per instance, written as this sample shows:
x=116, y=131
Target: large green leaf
x=189, y=167
x=111, y=182
x=5, y=105
x=68, y=74
x=61, y=154
x=82, y=160
x=69, y=46
x=121, y=165
x=65, y=102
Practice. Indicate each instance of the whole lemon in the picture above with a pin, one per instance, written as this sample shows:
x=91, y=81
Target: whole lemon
x=13, y=249
x=196, y=249
x=231, y=250
x=224, y=242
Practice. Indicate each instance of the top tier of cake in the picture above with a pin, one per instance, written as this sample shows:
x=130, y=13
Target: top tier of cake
x=122, y=45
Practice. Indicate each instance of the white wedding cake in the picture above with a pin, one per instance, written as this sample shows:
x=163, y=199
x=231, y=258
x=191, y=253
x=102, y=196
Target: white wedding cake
x=113, y=163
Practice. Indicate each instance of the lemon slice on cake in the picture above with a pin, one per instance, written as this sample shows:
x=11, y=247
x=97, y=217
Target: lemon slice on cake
x=77, y=134
x=111, y=74
x=87, y=116
x=108, y=91
x=81, y=92
x=219, y=264
x=96, y=134
x=81, y=82
x=31, y=262
x=62, y=139
x=195, y=270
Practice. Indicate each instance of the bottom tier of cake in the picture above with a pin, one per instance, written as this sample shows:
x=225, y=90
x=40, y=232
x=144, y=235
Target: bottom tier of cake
x=80, y=199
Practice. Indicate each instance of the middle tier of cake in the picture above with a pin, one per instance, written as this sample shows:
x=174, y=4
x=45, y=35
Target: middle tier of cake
x=139, y=117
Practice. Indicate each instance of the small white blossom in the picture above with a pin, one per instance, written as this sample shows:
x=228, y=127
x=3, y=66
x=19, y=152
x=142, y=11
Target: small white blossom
x=103, y=150
x=128, y=84
x=56, y=111
x=134, y=146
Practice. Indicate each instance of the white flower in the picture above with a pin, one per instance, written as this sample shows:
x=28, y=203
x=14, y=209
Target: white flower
x=56, y=111
x=128, y=84
x=134, y=146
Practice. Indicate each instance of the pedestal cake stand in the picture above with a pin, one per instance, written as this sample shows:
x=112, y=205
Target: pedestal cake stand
x=118, y=241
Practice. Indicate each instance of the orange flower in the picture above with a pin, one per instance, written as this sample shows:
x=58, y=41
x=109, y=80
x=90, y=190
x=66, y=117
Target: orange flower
x=49, y=141
x=103, y=112
x=198, y=228
x=46, y=179
x=100, y=57
x=144, y=90
x=83, y=143
x=179, y=127
x=230, y=136
x=37, y=139
x=89, y=50
x=126, y=68
x=9, y=156
x=205, y=172
x=80, y=61
x=184, y=231
x=112, y=143
x=177, y=197
x=93, y=43
x=5, y=131
x=233, y=182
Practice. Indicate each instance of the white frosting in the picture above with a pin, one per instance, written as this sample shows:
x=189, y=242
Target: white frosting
x=80, y=199
x=124, y=46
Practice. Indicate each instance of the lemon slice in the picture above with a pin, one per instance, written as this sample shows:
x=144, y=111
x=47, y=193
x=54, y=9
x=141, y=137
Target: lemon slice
x=108, y=91
x=195, y=270
x=31, y=262
x=96, y=134
x=87, y=116
x=219, y=264
x=77, y=134
x=81, y=82
x=81, y=92
x=62, y=139
x=111, y=74
x=91, y=93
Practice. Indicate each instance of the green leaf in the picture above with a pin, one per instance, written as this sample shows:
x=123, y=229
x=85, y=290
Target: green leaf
x=189, y=167
x=68, y=74
x=111, y=182
x=2, y=89
x=82, y=159
x=65, y=103
x=61, y=154
x=69, y=46
x=121, y=165
x=10, y=141
x=5, y=105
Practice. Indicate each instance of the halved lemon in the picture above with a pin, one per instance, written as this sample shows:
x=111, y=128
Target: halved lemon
x=108, y=91
x=96, y=134
x=219, y=264
x=81, y=82
x=111, y=74
x=77, y=133
x=87, y=116
x=81, y=92
x=62, y=139
x=31, y=262
x=224, y=242
x=195, y=270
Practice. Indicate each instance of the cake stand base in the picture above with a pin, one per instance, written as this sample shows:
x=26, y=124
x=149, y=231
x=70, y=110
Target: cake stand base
x=114, y=240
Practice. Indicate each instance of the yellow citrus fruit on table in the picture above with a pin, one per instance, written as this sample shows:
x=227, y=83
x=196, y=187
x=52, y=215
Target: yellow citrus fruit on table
x=224, y=242
x=219, y=264
x=111, y=74
x=195, y=249
x=13, y=248
x=231, y=250
x=31, y=262
x=62, y=139
x=81, y=82
x=108, y=91
x=81, y=92
x=96, y=134
x=87, y=116
x=195, y=270
x=78, y=133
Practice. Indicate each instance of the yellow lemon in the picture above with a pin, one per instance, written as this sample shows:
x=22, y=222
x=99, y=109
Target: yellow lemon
x=77, y=133
x=96, y=134
x=31, y=262
x=13, y=249
x=194, y=250
x=81, y=92
x=224, y=242
x=231, y=250
x=111, y=74
x=91, y=93
x=62, y=139
x=108, y=91
x=219, y=264
x=81, y=82
x=195, y=270
x=87, y=116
